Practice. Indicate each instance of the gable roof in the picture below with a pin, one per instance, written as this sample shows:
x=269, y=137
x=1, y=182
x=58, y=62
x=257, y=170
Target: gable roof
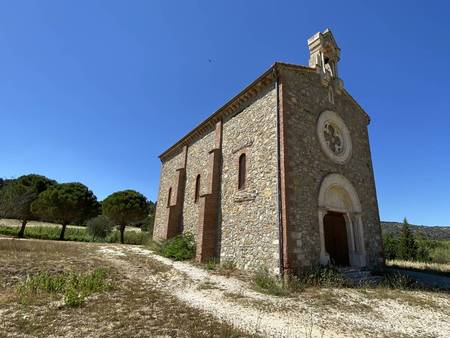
x=236, y=103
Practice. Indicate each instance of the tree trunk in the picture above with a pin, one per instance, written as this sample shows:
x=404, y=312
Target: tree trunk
x=63, y=230
x=122, y=230
x=21, y=233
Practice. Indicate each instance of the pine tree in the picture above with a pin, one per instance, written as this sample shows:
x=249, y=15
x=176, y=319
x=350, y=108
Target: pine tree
x=408, y=246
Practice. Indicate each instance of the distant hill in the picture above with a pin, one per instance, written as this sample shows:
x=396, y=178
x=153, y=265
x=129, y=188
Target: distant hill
x=430, y=232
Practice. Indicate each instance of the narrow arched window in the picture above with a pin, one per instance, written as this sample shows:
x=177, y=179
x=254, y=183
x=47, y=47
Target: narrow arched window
x=169, y=197
x=330, y=95
x=197, y=189
x=242, y=171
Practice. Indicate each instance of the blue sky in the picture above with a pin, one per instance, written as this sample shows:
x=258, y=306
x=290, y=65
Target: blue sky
x=94, y=91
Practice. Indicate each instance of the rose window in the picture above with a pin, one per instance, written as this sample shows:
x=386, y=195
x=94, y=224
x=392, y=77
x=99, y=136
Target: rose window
x=334, y=139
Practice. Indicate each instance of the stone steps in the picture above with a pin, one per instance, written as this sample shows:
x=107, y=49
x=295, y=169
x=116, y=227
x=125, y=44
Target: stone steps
x=359, y=276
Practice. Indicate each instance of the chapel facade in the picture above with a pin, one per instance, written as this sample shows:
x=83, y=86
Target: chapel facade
x=279, y=177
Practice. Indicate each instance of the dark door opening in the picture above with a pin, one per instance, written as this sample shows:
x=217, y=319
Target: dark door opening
x=335, y=233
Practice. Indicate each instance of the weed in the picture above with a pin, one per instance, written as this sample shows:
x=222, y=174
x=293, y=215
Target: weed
x=395, y=280
x=229, y=265
x=264, y=282
x=211, y=264
x=181, y=247
x=73, y=298
x=324, y=276
x=74, y=286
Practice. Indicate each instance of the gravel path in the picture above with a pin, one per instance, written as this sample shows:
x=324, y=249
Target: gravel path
x=313, y=313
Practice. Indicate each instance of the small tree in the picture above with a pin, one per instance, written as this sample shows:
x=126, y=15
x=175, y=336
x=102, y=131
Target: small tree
x=17, y=196
x=125, y=207
x=99, y=227
x=407, y=248
x=390, y=246
x=66, y=203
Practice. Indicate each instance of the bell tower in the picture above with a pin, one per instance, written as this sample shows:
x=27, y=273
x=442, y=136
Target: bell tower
x=324, y=55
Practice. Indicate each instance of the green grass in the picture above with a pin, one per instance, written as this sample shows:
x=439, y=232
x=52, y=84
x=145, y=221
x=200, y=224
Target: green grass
x=74, y=234
x=74, y=287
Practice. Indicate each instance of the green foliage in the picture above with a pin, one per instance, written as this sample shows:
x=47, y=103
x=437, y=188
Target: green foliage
x=441, y=254
x=211, y=264
x=407, y=249
x=73, y=298
x=17, y=196
x=181, y=247
x=390, y=246
x=99, y=227
x=124, y=208
x=132, y=237
x=66, y=203
x=75, y=287
x=74, y=234
x=414, y=248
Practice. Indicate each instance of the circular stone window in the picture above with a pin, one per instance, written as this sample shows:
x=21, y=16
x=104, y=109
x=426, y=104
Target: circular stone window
x=334, y=137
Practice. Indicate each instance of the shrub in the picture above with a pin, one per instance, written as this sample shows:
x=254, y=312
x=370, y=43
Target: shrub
x=99, y=227
x=179, y=248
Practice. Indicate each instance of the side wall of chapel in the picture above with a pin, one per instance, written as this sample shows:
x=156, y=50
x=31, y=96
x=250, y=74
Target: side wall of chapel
x=247, y=226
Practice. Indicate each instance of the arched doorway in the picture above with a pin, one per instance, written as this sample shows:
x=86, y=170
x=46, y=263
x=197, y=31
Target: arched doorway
x=340, y=223
x=335, y=233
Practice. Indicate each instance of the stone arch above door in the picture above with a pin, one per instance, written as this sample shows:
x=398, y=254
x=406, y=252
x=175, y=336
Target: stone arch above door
x=337, y=194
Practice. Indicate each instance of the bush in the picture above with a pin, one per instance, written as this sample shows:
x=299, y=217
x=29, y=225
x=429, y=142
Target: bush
x=181, y=247
x=99, y=227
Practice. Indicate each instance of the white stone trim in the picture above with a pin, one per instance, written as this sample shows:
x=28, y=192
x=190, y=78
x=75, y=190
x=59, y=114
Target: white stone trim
x=334, y=119
x=352, y=215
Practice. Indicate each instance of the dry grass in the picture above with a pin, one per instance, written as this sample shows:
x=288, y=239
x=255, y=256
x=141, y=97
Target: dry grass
x=17, y=223
x=425, y=266
x=132, y=309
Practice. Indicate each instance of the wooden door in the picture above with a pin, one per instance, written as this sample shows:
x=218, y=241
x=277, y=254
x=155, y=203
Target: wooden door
x=336, y=243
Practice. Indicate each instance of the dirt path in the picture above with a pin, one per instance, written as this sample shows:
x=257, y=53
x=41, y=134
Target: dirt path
x=314, y=313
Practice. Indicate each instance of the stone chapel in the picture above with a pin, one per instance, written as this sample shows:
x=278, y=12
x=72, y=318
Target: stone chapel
x=280, y=176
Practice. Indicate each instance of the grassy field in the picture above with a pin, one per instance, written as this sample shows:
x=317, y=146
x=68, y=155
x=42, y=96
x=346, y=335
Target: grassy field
x=67, y=289
x=51, y=231
x=420, y=266
x=74, y=289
